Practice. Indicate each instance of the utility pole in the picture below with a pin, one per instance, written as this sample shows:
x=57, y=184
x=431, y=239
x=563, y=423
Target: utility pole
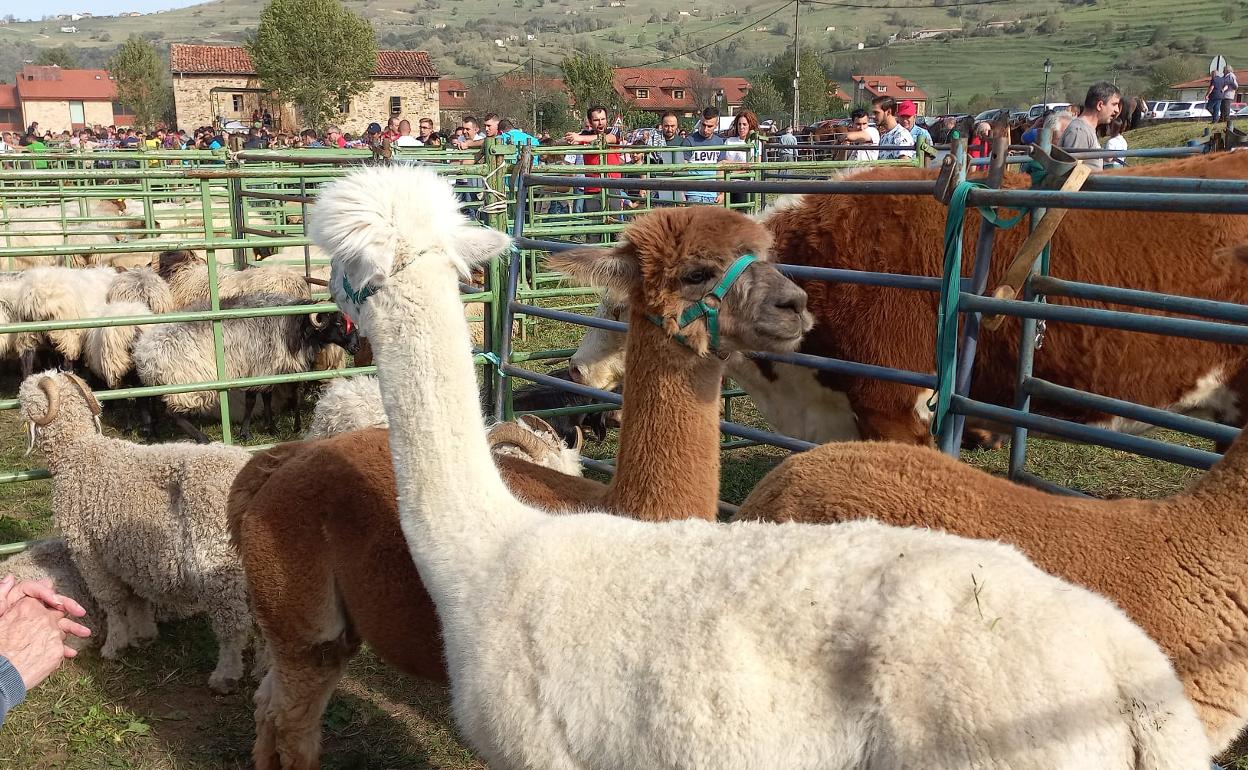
x=797, y=74
x=533, y=69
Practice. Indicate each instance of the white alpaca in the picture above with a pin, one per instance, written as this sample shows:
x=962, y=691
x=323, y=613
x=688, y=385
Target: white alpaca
x=594, y=641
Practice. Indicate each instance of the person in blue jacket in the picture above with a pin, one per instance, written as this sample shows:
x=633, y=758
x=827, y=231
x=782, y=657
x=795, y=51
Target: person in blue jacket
x=34, y=621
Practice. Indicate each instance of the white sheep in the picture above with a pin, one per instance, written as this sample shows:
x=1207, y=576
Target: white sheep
x=145, y=524
x=142, y=284
x=595, y=641
x=354, y=403
x=107, y=349
x=182, y=353
x=61, y=294
x=187, y=275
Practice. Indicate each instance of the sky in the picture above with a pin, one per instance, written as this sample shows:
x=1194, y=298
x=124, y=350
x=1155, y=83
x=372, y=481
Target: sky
x=23, y=9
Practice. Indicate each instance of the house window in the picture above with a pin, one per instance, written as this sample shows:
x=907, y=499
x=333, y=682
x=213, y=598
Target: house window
x=396, y=105
x=881, y=88
x=77, y=115
x=238, y=102
x=344, y=106
x=678, y=94
x=909, y=88
x=643, y=93
x=10, y=116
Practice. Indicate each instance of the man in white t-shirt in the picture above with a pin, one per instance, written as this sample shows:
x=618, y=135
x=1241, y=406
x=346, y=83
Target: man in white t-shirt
x=405, y=135
x=884, y=110
x=862, y=132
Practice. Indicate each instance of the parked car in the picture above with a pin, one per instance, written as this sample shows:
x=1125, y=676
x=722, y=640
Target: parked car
x=1037, y=110
x=1185, y=111
x=1242, y=112
x=1154, y=110
x=993, y=116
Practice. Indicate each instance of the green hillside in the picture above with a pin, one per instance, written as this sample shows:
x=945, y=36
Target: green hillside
x=1116, y=39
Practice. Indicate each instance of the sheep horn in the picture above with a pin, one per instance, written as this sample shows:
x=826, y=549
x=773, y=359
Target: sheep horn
x=525, y=439
x=92, y=402
x=48, y=386
x=30, y=439
x=537, y=424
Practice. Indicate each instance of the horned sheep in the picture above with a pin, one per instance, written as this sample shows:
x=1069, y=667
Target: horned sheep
x=724, y=646
x=181, y=353
x=145, y=524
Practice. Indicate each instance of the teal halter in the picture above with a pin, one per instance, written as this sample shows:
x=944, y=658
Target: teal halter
x=701, y=309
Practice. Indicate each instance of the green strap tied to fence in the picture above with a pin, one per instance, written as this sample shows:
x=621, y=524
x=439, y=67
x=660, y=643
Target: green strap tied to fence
x=947, y=309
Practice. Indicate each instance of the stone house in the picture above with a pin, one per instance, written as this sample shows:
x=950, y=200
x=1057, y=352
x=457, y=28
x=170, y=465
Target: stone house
x=218, y=81
x=60, y=100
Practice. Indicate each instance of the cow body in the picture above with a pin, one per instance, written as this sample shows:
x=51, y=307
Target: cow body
x=896, y=328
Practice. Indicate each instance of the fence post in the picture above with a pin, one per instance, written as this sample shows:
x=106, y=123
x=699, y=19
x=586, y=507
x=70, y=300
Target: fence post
x=236, y=220
x=1027, y=344
x=951, y=442
x=493, y=332
x=214, y=297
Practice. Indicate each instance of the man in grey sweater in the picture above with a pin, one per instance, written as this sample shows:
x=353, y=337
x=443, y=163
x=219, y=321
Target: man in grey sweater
x=1100, y=106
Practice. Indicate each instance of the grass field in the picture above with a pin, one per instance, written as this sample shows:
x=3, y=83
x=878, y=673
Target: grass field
x=1088, y=42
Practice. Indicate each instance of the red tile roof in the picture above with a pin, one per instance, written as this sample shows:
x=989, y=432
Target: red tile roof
x=53, y=83
x=8, y=97
x=662, y=82
x=890, y=85
x=193, y=59
x=1201, y=82
x=445, y=87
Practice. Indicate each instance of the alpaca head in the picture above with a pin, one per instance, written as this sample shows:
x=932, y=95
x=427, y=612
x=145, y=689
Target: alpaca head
x=684, y=269
x=363, y=220
x=57, y=405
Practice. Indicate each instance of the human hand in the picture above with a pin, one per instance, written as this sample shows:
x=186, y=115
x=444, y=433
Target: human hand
x=12, y=591
x=571, y=138
x=32, y=640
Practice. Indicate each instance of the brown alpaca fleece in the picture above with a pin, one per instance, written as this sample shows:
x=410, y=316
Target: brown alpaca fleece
x=1187, y=254
x=1175, y=566
x=323, y=515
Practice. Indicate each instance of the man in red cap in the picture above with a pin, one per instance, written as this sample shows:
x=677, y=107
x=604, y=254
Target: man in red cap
x=906, y=116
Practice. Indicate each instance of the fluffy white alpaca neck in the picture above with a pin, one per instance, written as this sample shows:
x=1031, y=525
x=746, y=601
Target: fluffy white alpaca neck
x=454, y=509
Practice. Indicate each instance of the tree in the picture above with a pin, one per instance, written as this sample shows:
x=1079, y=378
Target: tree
x=65, y=57
x=765, y=100
x=1167, y=72
x=313, y=53
x=813, y=84
x=703, y=89
x=589, y=80
x=142, y=82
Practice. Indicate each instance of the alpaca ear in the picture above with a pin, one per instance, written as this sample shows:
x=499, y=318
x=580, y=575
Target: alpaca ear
x=478, y=245
x=613, y=269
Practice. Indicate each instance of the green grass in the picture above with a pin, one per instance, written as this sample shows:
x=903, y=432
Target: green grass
x=1006, y=68
x=153, y=710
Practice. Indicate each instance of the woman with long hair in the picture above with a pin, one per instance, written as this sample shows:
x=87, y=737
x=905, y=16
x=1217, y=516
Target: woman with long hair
x=743, y=131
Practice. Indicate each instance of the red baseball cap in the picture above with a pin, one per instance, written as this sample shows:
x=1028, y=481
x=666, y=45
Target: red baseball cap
x=906, y=108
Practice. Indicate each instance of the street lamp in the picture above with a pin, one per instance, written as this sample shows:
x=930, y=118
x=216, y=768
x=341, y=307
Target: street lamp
x=1048, y=67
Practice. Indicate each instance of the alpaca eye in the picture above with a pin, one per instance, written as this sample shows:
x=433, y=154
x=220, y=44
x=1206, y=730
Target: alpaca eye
x=697, y=276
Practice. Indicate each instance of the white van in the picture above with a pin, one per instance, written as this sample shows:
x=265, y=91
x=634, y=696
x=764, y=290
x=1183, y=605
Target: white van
x=1039, y=109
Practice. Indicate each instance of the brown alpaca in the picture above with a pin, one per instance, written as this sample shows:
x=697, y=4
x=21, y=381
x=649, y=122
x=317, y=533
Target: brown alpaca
x=304, y=514
x=1175, y=566
x=895, y=328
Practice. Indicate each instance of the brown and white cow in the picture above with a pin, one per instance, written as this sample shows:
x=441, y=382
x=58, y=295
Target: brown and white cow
x=1199, y=255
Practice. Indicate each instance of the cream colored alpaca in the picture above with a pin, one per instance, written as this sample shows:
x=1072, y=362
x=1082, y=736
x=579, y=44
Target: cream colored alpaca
x=594, y=641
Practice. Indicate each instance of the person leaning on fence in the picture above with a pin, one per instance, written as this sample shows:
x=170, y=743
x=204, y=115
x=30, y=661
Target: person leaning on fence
x=704, y=147
x=598, y=131
x=34, y=621
x=862, y=132
x=1100, y=106
x=884, y=110
x=666, y=137
x=980, y=145
x=743, y=133
x=907, y=116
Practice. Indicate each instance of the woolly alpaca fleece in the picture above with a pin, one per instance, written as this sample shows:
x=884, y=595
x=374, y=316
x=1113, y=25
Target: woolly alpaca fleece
x=1175, y=566
x=145, y=524
x=696, y=645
